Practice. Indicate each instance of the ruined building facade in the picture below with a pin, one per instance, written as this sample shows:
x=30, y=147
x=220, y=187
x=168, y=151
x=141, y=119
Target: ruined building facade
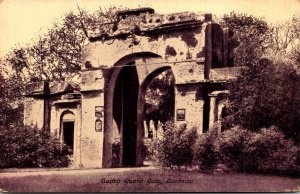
x=108, y=107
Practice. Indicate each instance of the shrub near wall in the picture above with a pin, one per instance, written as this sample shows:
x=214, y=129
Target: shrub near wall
x=177, y=145
x=206, y=153
x=152, y=150
x=233, y=149
x=273, y=153
x=30, y=147
x=238, y=149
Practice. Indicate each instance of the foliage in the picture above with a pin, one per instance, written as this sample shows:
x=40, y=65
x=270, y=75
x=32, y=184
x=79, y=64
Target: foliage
x=11, y=109
x=161, y=92
x=273, y=153
x=30, y=147
x=264, y=151
x=152, y=150
x=233, y=149
x=177, y=143
x=265, y=94
x=284, y=41
x=250, y=35
x=205, y=150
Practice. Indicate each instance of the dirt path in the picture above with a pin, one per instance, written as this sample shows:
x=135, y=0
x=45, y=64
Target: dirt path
x=143, y=179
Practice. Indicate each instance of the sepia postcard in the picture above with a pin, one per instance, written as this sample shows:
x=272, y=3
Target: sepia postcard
x=149, y=96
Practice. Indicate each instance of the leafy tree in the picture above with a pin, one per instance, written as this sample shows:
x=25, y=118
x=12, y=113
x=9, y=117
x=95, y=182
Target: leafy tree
x=265, y=92
x=284, y=41
x=161, y=93
x=11, y=109
x=56, y=55
x=250, y=35
x=263, y=95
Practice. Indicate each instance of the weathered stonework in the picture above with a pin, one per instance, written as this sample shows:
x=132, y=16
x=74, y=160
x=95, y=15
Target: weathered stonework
x=117, y=67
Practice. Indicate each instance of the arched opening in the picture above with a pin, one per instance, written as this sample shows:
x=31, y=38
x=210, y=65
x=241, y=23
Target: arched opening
x=123, y=122
x=164, y=79
x=67, y=129
x=125, y=112
x=159, y=103
x=129, y=113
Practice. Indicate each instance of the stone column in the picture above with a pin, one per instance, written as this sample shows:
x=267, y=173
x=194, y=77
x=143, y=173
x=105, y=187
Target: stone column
x=108, y=118
x=216, y=106
x=78, y=136
x=213, y=111
x=220, y=108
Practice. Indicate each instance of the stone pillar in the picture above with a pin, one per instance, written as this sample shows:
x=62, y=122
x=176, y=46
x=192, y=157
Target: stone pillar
x=78, y=137
x=213, y=111
x=221, y=105
x=54, y=123
x=108, y=118
x=216, y=105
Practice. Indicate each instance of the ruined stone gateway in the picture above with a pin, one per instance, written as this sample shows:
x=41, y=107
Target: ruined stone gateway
x=108, y=107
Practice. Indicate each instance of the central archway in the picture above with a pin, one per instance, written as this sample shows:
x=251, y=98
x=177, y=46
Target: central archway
x=125, y=112
x=124, y=98
x=141, y=109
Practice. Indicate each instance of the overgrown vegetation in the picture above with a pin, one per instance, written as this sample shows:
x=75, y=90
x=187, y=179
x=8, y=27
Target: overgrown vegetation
x=263, y=151
x=250, y=34
x=176, y=148
x=30, y=147
x=265, y=94
x=205, y=150
x=266, y=91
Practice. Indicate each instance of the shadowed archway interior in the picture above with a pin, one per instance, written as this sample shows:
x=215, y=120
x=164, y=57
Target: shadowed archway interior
x=125, y=112
x=67, y=129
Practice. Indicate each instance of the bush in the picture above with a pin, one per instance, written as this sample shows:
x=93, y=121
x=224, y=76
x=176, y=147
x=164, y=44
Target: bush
x=232, y=148
x=265, y=151
x=274, y=153
x=152, y=150
x=206, y=154
x=30, y=147
x=176, y=145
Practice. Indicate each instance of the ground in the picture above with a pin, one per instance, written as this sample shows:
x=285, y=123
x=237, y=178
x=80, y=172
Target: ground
x=137, y=180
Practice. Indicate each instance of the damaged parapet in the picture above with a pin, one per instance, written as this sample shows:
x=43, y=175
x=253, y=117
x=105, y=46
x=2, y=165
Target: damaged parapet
x=145, y=21
x=177, y=38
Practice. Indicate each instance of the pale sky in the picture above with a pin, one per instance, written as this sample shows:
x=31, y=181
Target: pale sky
x=22, y=20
